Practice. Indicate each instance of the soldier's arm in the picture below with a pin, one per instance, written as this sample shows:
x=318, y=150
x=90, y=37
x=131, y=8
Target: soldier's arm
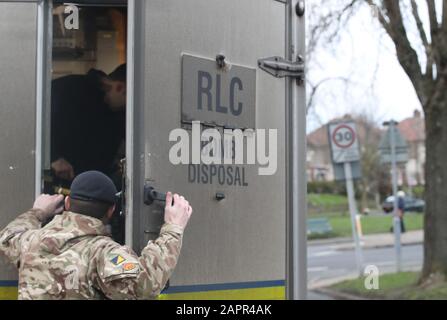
x=123, y=275
x=18, y=233
x=146, y=276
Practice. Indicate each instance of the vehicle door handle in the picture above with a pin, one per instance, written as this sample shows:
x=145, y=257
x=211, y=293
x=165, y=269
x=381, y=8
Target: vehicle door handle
x=151, y=195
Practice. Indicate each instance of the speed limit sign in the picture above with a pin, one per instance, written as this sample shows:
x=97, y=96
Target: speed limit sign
x=344, y=142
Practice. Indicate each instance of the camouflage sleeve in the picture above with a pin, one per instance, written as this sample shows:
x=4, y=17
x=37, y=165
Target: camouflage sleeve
x=124, y=275
x=17, y=234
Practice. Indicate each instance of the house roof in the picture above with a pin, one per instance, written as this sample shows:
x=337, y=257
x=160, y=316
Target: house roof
x=413, y=129
x=319, y=137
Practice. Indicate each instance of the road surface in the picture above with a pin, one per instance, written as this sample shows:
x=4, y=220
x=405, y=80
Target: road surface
x=326, y=263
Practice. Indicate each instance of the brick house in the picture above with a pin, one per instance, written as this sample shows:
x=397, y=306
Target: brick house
x=319, y=163
x=413, y=130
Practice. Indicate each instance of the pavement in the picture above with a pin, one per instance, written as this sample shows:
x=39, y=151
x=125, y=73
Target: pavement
x=321, y=295
x=382, y=240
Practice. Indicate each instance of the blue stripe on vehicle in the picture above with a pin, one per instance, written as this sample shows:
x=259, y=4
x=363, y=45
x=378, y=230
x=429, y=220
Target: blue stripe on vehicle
x=196, y=288
x=9, y=283
x=224, y=286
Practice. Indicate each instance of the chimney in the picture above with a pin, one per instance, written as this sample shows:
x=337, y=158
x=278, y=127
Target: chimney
x=417, y=114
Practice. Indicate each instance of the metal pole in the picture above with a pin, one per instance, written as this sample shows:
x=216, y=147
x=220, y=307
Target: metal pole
x=296, y=187
x=129, y=209
x=43, y=90
x=353, y=212
x=396, y=219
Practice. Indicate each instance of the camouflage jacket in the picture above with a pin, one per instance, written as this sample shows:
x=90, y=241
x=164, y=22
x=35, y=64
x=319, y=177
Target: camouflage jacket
x=73, y=257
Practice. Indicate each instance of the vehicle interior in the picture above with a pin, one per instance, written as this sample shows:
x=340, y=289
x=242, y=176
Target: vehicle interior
x=97, y=42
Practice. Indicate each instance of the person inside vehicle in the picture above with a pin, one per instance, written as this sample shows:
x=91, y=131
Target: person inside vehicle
x=88, y=131
x=88, y=123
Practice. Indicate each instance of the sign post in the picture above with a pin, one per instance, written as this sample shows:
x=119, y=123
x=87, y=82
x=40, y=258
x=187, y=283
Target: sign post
x=393, y=149
x=396, y=219
x=345, y=150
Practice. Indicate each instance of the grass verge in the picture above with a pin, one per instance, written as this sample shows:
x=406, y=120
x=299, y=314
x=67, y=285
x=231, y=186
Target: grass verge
x=395, y=286
x=326, y=200
x=341, y=224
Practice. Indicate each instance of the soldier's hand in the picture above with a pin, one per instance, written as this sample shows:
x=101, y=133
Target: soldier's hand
x=48, y=206
x=63, y=169
x=177, y=212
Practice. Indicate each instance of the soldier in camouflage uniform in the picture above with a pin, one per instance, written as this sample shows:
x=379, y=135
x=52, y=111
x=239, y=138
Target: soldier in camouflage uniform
x=73, y=257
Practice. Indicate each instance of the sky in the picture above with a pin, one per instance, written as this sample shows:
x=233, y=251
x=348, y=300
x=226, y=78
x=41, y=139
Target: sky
x=377, y=84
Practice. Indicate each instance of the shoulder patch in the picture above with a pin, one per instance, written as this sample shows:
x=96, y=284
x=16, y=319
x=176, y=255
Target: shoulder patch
x=129, y=266
x=119, y=264
x=118, y=259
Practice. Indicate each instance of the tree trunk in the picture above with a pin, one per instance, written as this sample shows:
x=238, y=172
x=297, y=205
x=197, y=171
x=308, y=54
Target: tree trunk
x=435, y=244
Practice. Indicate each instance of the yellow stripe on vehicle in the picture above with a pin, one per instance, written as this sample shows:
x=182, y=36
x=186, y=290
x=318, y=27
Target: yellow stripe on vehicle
x=273, y=293
x=8, y=293
x=264, y=290
x=260, y=290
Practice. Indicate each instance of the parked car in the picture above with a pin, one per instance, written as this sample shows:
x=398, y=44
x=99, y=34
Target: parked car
x=411, y=204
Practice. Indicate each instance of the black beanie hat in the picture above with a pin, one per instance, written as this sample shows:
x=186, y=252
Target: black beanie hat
x=93, y=186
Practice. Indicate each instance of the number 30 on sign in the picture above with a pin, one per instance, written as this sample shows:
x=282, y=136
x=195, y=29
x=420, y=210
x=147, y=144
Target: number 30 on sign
x=344, y=142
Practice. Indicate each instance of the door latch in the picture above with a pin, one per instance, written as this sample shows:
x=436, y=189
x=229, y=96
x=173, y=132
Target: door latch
x=150, y=195
x=280, y=68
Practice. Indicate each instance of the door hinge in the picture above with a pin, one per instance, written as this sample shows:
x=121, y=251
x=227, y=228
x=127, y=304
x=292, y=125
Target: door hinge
x=280, y=68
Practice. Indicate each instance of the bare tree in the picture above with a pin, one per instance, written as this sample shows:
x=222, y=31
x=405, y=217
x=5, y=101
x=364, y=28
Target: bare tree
x=426, y=67
x=372, y=170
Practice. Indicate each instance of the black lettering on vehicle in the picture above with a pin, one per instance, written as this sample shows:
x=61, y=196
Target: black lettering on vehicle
x=230, y=176
x=237, y=177
x=204, y=90
x=244, y=183
x=219, y=107
x=213, y=172
x=205, y=177
x=191, y=173
x=235, y=81
x=221, y=175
